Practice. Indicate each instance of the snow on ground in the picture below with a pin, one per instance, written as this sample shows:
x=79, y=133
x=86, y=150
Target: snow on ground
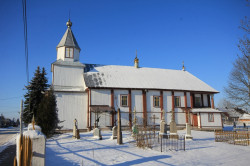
x=7, y=137
x=202, y=150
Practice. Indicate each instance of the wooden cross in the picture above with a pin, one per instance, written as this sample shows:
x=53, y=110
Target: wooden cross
x=135, y=119
x=154, y=117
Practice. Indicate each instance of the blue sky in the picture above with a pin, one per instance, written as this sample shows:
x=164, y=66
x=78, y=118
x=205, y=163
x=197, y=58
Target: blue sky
x=202, y=33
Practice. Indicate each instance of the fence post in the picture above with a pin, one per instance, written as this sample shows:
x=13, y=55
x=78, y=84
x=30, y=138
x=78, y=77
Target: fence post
x=234, y=134
x=184, y=143
x=248, y=141
x=161, y=144
x=158, y=137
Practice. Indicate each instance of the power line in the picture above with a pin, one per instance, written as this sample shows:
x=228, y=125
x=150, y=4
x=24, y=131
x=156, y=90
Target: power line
x=26, y=39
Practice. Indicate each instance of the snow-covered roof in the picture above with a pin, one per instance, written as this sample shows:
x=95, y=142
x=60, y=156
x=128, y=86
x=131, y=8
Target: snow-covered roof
x=205, y=110
x=111, y=76
x=231, y=112
x=245, y=116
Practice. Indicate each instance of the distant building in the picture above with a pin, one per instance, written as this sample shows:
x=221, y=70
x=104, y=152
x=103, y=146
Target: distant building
x=230, y=115
x=245, y=118
x=89, y=92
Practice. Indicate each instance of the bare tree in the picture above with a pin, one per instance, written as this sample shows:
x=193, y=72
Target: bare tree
x=238, y=89
x=224, y=103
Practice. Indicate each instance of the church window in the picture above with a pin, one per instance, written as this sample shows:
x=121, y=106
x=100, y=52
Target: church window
x=69, y=52
x=156, y=101
x=197, y=102
x=124, y=100
x=177, y=101
x=210, y=117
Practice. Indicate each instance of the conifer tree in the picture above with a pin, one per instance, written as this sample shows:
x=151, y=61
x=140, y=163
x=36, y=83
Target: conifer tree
x=34, y=95
x=47, y=117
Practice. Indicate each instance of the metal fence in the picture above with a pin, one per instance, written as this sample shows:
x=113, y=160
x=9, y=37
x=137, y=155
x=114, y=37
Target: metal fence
x=151, y=139
x=171, y=143
x=233, y=137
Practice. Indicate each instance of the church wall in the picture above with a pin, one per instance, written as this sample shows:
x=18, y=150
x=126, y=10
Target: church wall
x=100, y=97
x=68, y=76
x=71, y=106
x=136, y=101
x=206, y=124
x=103, y=97
x=151, y=110
x=180, y=117
x=167, y=101
x=104, y=119
x=181, y=94
x=124, y=110
x=167, y=105
x=60, y=53
x=76, y=54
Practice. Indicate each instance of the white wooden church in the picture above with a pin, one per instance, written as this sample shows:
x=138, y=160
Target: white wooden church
x=88, y=92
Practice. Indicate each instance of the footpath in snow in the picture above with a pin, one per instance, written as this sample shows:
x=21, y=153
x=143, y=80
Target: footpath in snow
x=202, y=150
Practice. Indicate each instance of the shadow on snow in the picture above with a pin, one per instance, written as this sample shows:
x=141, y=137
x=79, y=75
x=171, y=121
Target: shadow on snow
x=56, y=158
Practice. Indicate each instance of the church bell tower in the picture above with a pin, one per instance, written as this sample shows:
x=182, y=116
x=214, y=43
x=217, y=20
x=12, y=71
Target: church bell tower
x=68, y=48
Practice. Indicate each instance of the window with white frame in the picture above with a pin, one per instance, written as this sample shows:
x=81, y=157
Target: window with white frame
x=177, y=101
x=156, y=101
x=210, y=117
x=124, y=100
x=69, y=52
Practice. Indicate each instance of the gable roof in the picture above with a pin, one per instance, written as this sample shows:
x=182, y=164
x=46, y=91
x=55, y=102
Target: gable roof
x=68, y=39
x=111, y=76
x=231, y=112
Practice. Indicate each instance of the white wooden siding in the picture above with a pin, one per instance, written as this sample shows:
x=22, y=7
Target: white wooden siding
x=180, y=118
x=76, y=54
x=68, y=76
x=61, y=54
x=100, y=97
x=124, y=110
x=136, y=97
x=150, y=99
x=168, y=95
x=206, y=124
x=181, y=94
x=167, y=100
x=71, y=106
x=104, y=119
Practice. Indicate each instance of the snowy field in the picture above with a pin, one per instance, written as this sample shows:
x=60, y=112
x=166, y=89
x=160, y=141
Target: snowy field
x=202, y=150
